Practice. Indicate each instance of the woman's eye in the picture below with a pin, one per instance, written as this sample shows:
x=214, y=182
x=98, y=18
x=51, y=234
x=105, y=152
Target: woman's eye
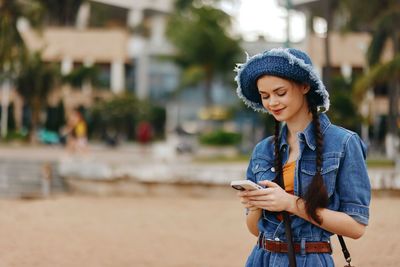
x=265, y=97
x=281, y=93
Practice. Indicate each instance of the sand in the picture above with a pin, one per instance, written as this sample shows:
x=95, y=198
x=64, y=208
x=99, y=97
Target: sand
x=71, y=230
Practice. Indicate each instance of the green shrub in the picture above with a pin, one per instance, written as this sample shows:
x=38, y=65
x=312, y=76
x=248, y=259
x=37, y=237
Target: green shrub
x=220, y=138
x=17, y=136
x=122, y=114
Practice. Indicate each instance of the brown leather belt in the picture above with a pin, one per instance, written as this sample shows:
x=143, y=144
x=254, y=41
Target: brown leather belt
x=310, y=247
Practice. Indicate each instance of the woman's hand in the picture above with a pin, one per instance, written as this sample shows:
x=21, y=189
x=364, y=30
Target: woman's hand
x=245, y=200
x=272, y=198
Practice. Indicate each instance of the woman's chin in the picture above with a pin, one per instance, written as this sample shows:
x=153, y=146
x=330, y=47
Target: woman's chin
x=279, y=117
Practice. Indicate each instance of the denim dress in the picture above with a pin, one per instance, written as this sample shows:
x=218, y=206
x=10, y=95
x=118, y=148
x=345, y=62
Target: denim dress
x=345, y=177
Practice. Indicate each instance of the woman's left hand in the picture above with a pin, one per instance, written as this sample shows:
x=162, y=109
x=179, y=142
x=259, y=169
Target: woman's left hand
x=272, y=198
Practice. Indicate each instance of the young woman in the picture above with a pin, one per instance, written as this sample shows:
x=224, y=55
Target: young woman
x=327, y=189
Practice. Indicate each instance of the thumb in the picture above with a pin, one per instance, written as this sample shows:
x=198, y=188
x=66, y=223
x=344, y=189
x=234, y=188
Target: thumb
x=267, y=183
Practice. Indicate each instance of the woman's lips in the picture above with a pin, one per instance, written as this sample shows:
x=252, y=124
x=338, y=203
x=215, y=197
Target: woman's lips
x=277, y=111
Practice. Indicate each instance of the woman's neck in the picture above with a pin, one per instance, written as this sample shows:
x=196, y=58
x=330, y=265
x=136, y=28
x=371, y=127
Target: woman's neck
x=298, y=124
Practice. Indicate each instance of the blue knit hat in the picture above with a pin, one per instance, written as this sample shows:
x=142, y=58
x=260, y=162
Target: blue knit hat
x=287, y=63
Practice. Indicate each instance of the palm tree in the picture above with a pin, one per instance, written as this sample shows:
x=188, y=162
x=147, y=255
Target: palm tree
x=12, y=48
x=330, y=7
x=33, y=77
x=328, y=10
x=205, y=49
x=380, y=18
x=34, y=83
x=386, y=29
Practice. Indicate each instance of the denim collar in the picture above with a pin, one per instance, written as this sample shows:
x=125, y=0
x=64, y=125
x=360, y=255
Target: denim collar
x=308, y=134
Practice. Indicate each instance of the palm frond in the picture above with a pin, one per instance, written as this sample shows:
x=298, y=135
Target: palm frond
x=379, y=74
x=386, y=24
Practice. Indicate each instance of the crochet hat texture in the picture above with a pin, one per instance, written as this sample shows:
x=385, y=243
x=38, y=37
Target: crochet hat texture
x=287, y=63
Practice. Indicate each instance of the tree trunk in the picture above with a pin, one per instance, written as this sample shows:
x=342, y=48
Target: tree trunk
x=5, y=92
x=394, y=90
x=393, y=95
x=392, y=138
x=36, y=108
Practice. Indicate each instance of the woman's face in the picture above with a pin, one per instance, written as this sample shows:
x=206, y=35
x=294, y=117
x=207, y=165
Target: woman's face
x=284, y=99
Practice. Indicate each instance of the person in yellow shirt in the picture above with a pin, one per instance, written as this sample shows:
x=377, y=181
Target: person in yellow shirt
x=76, y=132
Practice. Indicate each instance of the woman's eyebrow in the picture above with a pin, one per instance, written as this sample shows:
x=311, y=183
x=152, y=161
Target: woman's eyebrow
x=277, y=88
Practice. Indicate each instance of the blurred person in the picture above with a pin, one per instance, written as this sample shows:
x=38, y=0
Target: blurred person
x=320, y=166
x=75, y=132
x=144, y=134
x=110, y=136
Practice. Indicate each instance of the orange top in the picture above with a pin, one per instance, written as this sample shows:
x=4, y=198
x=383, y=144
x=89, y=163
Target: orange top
x=288, y=177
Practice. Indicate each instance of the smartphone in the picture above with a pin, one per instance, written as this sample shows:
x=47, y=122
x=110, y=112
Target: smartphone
x=245, y=185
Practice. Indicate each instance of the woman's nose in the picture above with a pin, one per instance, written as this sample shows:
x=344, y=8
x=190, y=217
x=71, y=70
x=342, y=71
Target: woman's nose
x=273, y=101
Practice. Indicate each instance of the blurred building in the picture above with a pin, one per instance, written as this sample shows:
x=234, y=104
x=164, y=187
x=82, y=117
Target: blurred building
x=72, y=48
x=145, y=21
x=260, y=45
x=125, y=40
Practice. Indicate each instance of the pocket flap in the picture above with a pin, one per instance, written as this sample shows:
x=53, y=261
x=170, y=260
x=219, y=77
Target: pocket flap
x=261, y=166
x=309, y=166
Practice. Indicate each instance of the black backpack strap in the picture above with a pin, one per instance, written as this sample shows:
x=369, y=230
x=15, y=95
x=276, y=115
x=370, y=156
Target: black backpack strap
x=345, y=251
x=286, y=217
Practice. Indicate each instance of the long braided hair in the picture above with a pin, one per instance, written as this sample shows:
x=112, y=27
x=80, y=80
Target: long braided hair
x=316, y=195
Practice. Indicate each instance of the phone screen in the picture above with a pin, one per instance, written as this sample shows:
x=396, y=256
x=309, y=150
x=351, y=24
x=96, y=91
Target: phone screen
x=238, y=187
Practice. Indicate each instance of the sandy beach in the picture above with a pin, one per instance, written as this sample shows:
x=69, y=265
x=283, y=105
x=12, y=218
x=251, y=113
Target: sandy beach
x=70, y=230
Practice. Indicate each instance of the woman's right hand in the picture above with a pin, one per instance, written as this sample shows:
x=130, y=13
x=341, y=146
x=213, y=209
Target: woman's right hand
x=245, y=200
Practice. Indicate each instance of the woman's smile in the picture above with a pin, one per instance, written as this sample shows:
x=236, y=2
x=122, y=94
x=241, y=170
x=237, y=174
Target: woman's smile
x=277, y=111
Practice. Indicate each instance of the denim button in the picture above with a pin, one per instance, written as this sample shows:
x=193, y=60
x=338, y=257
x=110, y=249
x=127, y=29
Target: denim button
x=277, y=239
x=273, y=169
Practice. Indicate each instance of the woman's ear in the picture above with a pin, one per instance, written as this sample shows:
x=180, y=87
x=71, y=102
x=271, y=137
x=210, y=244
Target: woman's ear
x=305, y=88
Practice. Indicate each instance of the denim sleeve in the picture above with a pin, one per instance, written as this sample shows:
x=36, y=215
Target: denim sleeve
x=249, y=173
x=353, y=183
